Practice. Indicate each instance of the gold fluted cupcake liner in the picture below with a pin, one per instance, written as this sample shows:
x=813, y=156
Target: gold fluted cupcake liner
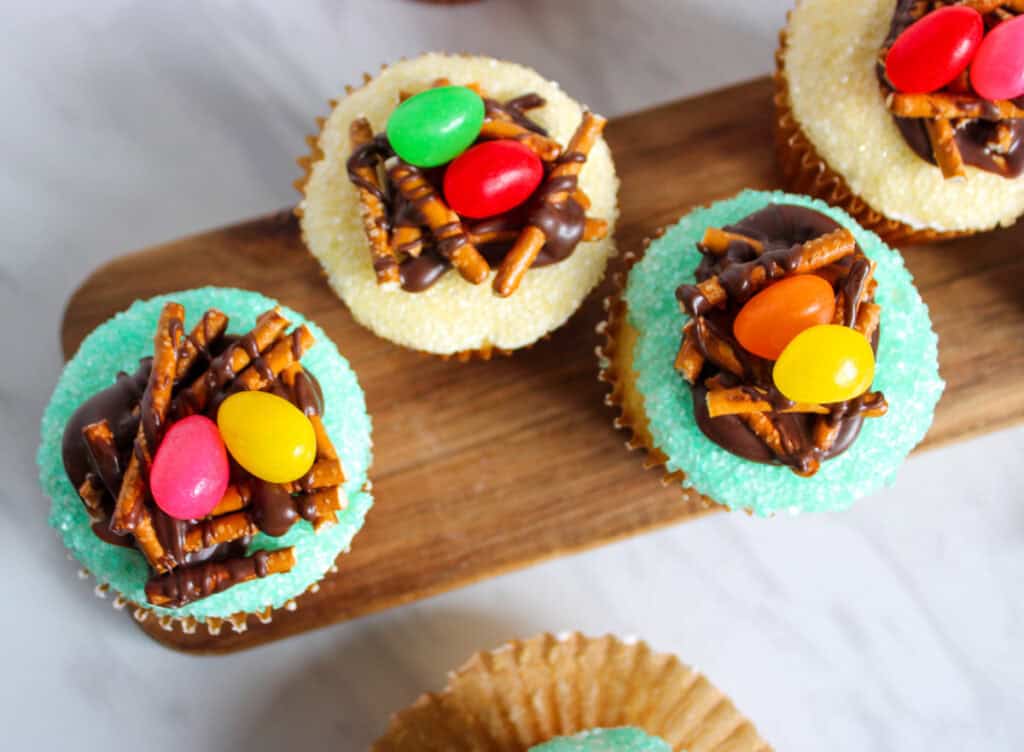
x=530, y=691
x=805, y=171
x=615, y=368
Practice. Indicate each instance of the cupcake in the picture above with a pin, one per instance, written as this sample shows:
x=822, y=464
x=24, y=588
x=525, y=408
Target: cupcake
x=888, y=110
x=206, y=455
x=459, y=204
x=573, y=693
x=771, y=354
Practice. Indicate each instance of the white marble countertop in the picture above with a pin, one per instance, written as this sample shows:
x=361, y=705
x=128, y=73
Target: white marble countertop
x=895, y=626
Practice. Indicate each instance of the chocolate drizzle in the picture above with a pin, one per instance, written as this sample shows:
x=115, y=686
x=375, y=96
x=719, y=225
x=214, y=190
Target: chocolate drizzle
x=425, y=260
x=781, y=229
x=972, y=136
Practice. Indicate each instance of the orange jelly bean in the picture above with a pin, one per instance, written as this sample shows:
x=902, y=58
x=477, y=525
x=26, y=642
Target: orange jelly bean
x=772, y=318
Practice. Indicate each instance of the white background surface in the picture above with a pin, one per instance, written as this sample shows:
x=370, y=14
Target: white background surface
x=895, y=626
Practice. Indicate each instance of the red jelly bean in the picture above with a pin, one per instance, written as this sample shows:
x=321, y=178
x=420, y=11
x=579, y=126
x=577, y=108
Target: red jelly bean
x=773, y=317
x=935, y=50
x=190, y=470
x=491, y=178
x=998, y=69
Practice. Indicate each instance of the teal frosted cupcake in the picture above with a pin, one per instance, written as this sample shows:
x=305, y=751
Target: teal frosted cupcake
x=772, y=355
x=573, y=693
x=206, y=453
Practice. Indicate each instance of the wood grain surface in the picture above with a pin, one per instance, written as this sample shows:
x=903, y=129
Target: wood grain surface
x=485, y=467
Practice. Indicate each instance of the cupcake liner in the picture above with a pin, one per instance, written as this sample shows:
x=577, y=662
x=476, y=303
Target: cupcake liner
x=528, y=692
x=315, y=154
x=803, y=170
x=615, y=368
x=121, y=572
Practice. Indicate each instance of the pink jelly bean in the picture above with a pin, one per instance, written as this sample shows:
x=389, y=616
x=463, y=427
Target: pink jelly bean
x=190, y=470
x=933, y=51
x=998, y=69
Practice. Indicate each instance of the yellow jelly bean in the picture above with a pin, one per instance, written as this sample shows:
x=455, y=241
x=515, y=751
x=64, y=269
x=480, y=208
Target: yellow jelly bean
x=824, y=364
x=267, y=435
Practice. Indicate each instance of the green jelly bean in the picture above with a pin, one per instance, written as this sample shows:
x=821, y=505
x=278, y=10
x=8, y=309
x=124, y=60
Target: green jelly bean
x=436, y=125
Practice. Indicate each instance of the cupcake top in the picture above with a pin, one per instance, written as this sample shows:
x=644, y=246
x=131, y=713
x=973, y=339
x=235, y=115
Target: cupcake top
x=748, y=460
x=367, y=246
x=953, y=78
x=625, y=739
x=830, y=63
x=217, y=475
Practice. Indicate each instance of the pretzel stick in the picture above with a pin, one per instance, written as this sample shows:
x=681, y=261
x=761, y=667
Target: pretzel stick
x=321, y=507
x=104, y=457
x=826, y=431
x=211, y=327
x=495, y=129
x=91, y=492
x=217, y=530
x=990, y=6
x=225, y=366
x=522, y=255
x=385, y=262
x=814, y=255
x=581, y=198
x=594, y=229
x=716, y=349
x=868, y=317
x=130, y=513
x=187, y=584
x=689, y=360
x=235, y=497
x=452, y=241
x=407, y=240
x=740, y=400
x=863, y=292
x=717, y=241
x=952, y=106
x=488, y=237
x=947, y=154
x=283, y=353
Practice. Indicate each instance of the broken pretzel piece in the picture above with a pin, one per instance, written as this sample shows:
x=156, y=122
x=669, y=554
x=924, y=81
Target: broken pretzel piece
x=372, y=209
x=717, y=241
x=745, y=400
x=187, y=584
x=452, y=241
x=566, y=171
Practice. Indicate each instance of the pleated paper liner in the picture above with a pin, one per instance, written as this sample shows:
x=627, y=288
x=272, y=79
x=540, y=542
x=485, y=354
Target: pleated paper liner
x=528, y=692
x=803, y=170
x=615, y=359
x=239, y=622
x=315, y=154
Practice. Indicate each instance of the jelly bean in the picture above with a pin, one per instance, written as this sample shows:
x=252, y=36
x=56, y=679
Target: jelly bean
x=770, y=319
x=491, y=178
x=436, y=125
x=190, y=470
x=267, y=435
x=933, y=51
x=825, y=364
x=998, y=69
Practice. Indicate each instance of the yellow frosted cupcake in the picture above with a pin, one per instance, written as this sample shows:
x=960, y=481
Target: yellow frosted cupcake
x=914, y=162
x=460, y=204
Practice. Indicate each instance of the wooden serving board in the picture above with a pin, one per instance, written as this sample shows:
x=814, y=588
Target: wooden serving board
x=464, y=493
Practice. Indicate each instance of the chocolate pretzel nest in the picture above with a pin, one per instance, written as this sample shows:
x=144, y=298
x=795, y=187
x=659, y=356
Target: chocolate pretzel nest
x=955, y=126
x=736, y=403
x=110, y=442
x=415, y=237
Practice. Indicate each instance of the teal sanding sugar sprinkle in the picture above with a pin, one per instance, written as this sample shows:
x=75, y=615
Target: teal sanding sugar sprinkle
x=625, y=739
x=906, y=372
x=117, y=345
